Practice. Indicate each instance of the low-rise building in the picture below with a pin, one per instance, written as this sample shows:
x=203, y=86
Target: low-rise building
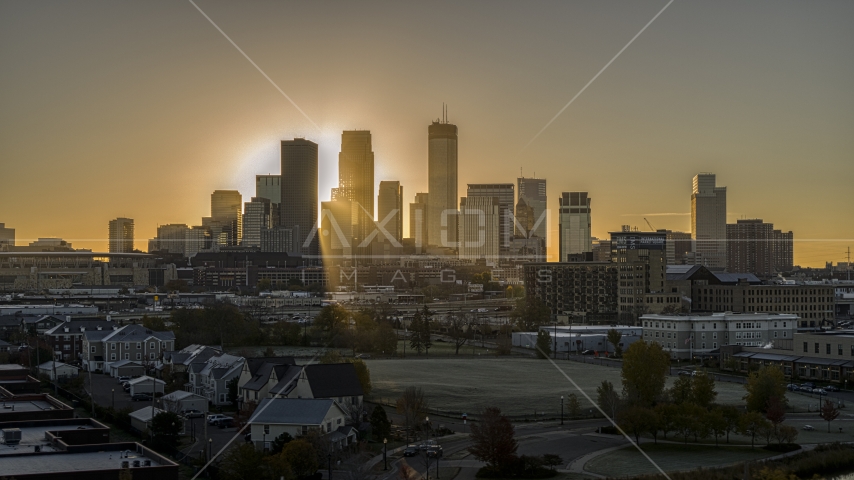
x=141, y=419
x=37, y=406
x=66, y=338
x=146, y=384
x=686, y=336
x=296, y=417
x=103, y=347
x=56, y=370
x=179, y=400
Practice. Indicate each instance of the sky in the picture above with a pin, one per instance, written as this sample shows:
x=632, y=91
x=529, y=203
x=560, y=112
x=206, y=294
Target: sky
x=142, y=109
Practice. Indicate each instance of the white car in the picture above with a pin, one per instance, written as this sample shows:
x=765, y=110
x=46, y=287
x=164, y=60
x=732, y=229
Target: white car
x=809, y=427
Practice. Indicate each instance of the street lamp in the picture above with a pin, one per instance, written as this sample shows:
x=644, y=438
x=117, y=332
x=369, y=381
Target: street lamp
x=113, y=398
x=329, y=459
x=210, y=448
x=385, y=451
x=561, y=409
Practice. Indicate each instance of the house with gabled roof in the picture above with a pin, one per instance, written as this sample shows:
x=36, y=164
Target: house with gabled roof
x=336, y=381
x=259, y=375
x=101, y=347
x=299, y=416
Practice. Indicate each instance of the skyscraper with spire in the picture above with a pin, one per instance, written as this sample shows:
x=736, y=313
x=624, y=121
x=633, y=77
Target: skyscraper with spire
x=442, y=207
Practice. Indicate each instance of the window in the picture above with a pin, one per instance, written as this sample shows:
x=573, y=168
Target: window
x=112, y=356
x=715, y=335
x=138, y=345
x=112, y=346
x=93, y=349
x=339, y=421
x=839, y=349
x=127, y=345
x=151, y=356
x=266, y=429
x=66, y=347
x=328, y=426
x=715, y=345
x=304, y=430
x=139, y=356
x=816, y=347
x=806, y=349
x=127, y=356
x=827, y=349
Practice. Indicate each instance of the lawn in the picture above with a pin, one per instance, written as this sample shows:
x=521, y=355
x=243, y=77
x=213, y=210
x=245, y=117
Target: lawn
x=670, y=457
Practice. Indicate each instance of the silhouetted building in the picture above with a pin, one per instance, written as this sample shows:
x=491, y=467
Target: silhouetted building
x=679, y=246
x=480, y=221
x=585, y=290
x=390, y=203
x=533, y=192
x=171, y=238
x=418, y=221
x=257, y=217
x=708, y=221
x=270, y=187
x=505, y=194
x=442, y=183
x=754, y=246
x=7, y=236
x=121, y=235
x=575, y=223
x=227, y=217
x=641, y=266
x=299, y=193
x=356, y=180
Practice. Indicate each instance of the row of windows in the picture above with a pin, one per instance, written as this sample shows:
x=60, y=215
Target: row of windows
x=138, y=356
x=827, y=348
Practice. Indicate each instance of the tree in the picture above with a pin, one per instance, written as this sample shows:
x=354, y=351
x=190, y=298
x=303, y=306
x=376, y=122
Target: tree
x=384, y=339
x=636, y=420
x=750, y=424
x=232, y=390
x=829, y=412
x=717, y=423
x=264, y=285
x=380, y=424
x=529, y=313
x=154, y=323
x=415, y=328
x=763, y=384
x=493, y=439
x=607, y=398
x=775, y=412
x=731, y=417
x=614, y=337
x=703, y=389
x=682, y=390
x=544, y=344
x=301, y=456
x=644, y=370
x=413, y=406
x=573, y=406
x=552, y=460
x=165, y=428
x=787, y=434
x=457, y=330
x=426, y=334
x=330, y=322
x=243, y=463
x=666, y=413
x=363, y=374
x=177, y=285
x=279, y=442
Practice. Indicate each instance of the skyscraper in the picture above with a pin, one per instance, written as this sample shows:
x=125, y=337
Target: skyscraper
x=7, y=237
x=753, y=246
x=708, y=221
x=533, y=192
x=121, y=235
x=442, y=183
x=575, y=221
x=356, y=179
x=505, y=195
x=270, y=187
x=418, y=221
x=227, y=216
x=171, y=238
x=256, y=219
x=390, y=202
x=299, y=193
x=480, y=237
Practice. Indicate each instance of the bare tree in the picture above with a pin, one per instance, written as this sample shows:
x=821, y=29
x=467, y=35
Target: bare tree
x=413, y=406
x=460, y=335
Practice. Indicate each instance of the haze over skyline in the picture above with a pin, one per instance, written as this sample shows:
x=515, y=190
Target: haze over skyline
x=142, y=110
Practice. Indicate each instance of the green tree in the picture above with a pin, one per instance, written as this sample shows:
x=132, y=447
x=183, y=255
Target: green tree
x=731, y=417
x=264, y=285
x=154, y=323
x=645, y=367
x=530, y=312
x=717, y=423
x=666, y=413
x=384, y=339
x=415, y=328
x=750, y=424
x=573, y=406
x=301, y=455
x=165, y=428
x=703, y=391
x=380, y=424
x=688, y=421
x=544, y=344
x=636, y=420
x=787, y=434
x=608, y=399
x=763, y=384
x=363, y=373
x=682, y=390
x=829, y=412
x=614, y=337
x=279, y=442
x=330, y=323
x=493, y=439
x=552, y=460
x=232, y=390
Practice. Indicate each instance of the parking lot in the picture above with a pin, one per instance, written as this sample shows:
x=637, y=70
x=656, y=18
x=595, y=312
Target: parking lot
x=108, y=392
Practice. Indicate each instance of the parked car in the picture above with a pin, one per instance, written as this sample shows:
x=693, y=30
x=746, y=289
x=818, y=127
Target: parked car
x=214, y=417
x=192, y=413
x=809, y=385
x=363, y=355
x=124, y=379
x=434, y=452
x=410, y=451
x=831, y=388
x=219, y=419
x=808, y=427
x=427, y=444
x=684, y=372
x=141, y=397
x=819, y=391
x=587, y=352
x=792, y=387
x=225, y=422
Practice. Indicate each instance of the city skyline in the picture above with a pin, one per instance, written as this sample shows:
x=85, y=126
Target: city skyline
x=682, y=99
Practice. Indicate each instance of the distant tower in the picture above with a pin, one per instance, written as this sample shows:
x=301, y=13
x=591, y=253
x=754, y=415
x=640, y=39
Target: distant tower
x=299, y=193
x=575, y=222
x=121, y=235
x=390, y=202
x=270, y=187
x=708, y=221
x=418, y=221
x=504, y=196
x=356, y=179
x=442, y=208
x=7, y=237
x=256, y=219
x=227, y=217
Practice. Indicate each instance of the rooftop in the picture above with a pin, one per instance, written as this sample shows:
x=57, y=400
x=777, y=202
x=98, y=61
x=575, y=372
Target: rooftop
x=33, y=433
x=292, y=411
x=16, y=405
x=59, y=462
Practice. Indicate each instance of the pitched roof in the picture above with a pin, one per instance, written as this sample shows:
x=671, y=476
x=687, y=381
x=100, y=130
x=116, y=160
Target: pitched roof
x=333, y=380
x=292, y=411
x=49, y=365
x=137, y=333
x=262, y=367
x=287, y=380
x=255, y=363
x=179, y=395
x=77, y=323
x=124, y=363
x=145, y=414
x=145, y=379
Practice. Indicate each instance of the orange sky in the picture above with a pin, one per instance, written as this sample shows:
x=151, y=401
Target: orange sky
x=143, y=109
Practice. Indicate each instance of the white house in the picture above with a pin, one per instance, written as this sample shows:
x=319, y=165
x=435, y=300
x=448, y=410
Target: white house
x=179, y=400
x=141, y=418
x=146, y=384
x=60, y=370
x=297, y=416
x=210, y=379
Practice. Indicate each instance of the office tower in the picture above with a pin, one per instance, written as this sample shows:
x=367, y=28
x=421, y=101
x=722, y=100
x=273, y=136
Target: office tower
x=299, y=193
x=227, y=216
x=442, y=183
x=277, y=240
x=270, y=187
x=708, y=221
x=641, y=265
x=356, y=180
x=256, y=218
x=601, y=250
x=679, y=246
x=336, y=231
x=753, y=246
x=171, y=238
x=121, y=235
x=524, y=221
x=418, y=221
x=505, y=195
x=533, y=192
x=7, y=237
x=390, y=208
x=480, y=238
x=574, y=220
x=198, y=239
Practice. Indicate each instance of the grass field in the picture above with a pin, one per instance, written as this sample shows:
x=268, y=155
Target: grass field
x=519, y=386
x=670, y=457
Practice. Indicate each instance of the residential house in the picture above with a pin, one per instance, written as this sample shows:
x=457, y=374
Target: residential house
x=298, y=416
x=336, y=381
x=55, y=370
x=210, y=379
x=41, y=323
x=66, y=338
x=259, y=375
x=131, y=342
x=5, y=347
x=141, y=419
x=178, y=401
x=146, y=384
